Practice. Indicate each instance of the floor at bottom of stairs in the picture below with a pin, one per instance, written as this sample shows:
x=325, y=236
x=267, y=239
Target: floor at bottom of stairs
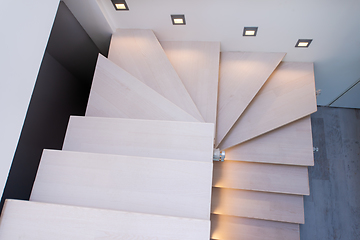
x=332, y=211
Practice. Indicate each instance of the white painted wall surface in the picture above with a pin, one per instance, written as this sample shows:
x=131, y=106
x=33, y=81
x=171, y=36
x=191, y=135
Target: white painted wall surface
x=351, y=99
x=25, y=29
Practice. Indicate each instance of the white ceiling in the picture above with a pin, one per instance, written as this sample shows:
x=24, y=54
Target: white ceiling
x=333, y=25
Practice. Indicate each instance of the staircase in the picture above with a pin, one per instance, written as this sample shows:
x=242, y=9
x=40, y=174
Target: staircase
x=139, y=164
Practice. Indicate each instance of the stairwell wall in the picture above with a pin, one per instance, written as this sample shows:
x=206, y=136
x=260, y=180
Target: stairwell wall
x=62, y=88
x=25, y=29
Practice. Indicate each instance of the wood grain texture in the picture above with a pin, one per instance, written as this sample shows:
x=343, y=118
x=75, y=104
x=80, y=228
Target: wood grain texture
x=258, y=205
x=288, y=95
x=140, y=53
x=230, y=228
x=134, y=184
x=242, y=74
x=261, y=177
x=197, y=64
x=291, y=144
x=144, y=138
x=43, y=221
x=116, y=93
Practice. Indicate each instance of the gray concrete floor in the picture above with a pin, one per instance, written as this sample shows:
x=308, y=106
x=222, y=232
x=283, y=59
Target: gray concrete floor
x=332, y=211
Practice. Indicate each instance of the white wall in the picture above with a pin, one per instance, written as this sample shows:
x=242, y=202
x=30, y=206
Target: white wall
x=25, y=29
x=351, y=99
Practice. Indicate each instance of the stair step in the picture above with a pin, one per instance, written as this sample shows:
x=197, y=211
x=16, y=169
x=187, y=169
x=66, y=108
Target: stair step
x=261, y=177
x=43, y=221
x=288, y=95
x=144, y=138
x=230, y=228
x=290, y=144
x=140, y=53
x=258, y=205
x=116, y=93
x=242, y=74
x=126, y=183
x=197, y=64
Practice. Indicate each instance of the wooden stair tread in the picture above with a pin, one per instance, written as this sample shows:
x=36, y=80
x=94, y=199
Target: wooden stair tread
x=116, y=93
x=197, y=64
x=134, y=184
x=230, y=228
x=136, y=137
x=288, y=95
x=139, y=53
x=43, y=221
x=290, y=144
x=259, y=205
x=261, y=177
x=242, y=74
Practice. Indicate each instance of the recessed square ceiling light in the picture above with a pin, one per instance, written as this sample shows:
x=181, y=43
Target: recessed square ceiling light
x=303, y=43
x=178, y=19
x=120, y=5
x=250, y=31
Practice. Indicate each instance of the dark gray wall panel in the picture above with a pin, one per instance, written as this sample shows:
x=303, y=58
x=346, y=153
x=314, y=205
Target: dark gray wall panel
x=70, y=45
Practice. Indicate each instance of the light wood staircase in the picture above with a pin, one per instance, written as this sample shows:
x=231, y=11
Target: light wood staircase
x=140, y=165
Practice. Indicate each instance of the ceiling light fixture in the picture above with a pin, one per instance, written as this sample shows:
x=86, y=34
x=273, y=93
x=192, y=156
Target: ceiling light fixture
x=303, y=43
x=250, y=31
x=178, y=19
x=120, y=5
